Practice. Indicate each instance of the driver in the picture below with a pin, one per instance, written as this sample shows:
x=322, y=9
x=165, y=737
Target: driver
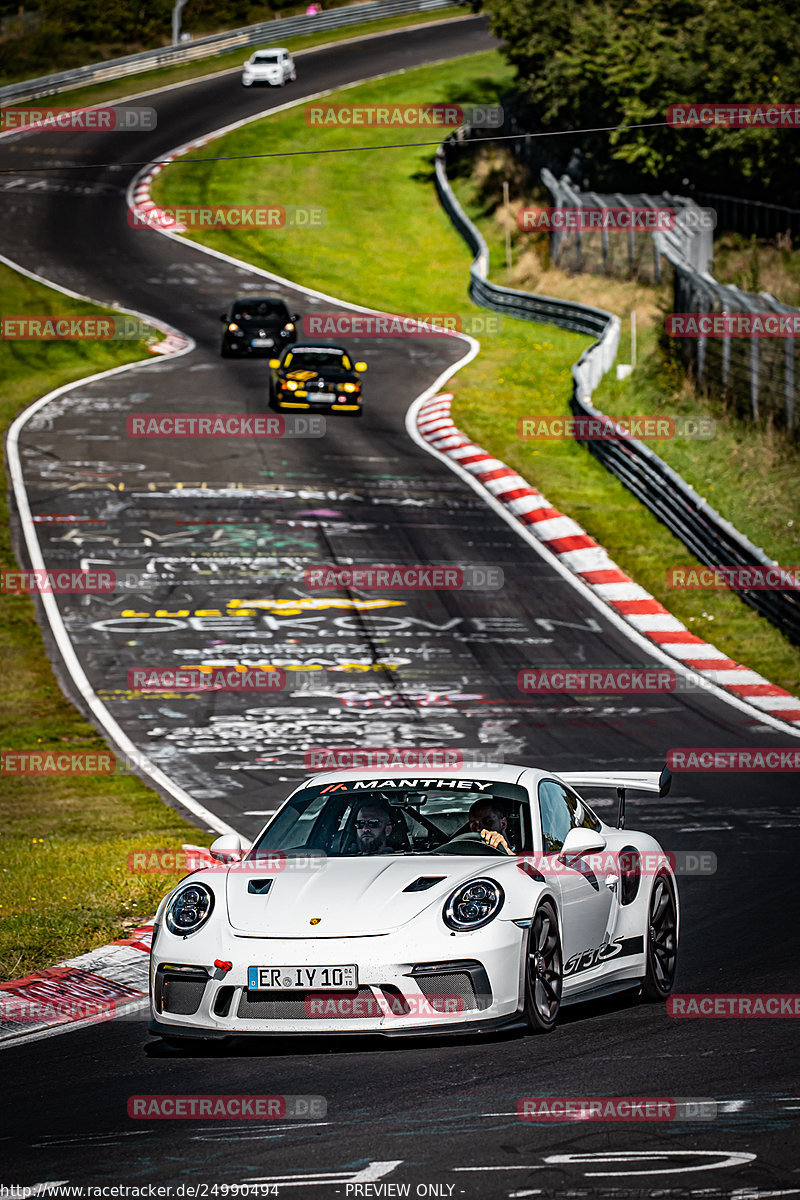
x=489, y=820
x=373, y=824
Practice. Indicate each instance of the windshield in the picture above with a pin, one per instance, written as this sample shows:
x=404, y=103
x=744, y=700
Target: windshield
x=401, y=816
x=316, y=360
x=265, y=58
x=244, y=310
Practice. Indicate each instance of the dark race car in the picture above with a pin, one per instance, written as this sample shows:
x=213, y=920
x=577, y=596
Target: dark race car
x=257, y=325
x=318, y=377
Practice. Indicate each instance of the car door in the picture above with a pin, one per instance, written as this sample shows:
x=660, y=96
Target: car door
x=588, y=897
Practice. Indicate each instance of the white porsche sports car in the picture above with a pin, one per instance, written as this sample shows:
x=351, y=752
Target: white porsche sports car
x=421, y=902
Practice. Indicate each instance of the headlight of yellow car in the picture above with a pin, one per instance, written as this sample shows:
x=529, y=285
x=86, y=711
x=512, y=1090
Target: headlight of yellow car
x=350, y=387
x=290, y=385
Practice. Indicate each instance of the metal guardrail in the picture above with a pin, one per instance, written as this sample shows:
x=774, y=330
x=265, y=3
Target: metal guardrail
x=712, y=539
x=274, y=32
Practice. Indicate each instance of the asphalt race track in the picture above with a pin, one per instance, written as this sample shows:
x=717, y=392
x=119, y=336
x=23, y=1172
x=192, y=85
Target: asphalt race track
x=218, y=540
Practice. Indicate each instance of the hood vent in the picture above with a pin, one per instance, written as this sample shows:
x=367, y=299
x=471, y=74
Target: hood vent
x=424, y=882
x=259, y=887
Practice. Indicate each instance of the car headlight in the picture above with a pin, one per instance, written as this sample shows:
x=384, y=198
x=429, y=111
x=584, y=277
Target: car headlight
x=473, y=905
x=350, y=387
x=232, y=327
x=288, y=327
x=189, y=909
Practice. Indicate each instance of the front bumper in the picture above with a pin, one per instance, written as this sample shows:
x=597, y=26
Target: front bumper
x=326, y=406
x=464, y=982
x=274, y=77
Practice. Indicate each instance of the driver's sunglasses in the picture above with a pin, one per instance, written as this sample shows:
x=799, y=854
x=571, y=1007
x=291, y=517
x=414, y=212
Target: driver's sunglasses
x=368, y=824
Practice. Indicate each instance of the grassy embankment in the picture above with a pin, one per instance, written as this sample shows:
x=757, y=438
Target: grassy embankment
x=64, y=882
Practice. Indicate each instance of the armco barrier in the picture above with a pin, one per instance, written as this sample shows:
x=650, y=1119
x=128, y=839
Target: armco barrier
x=712, y=539
x=273, y=32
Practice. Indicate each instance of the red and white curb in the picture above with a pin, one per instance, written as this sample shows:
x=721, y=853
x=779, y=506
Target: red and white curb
x=97, y=986
x=587, y=560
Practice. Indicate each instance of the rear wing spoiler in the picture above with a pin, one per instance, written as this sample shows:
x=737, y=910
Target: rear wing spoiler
x=637, y=781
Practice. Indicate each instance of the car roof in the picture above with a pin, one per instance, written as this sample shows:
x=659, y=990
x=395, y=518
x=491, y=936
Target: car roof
x=316, y=346
x=258, y=300
x=271, y=50
x=496, y=772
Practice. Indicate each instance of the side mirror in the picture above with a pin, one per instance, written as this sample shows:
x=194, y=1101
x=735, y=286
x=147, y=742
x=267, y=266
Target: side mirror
x=361, y=367
x=229, y=848
x=274, y=363
x=223, y=316
x=578, y=843
x=296, y=317
x=664, y=782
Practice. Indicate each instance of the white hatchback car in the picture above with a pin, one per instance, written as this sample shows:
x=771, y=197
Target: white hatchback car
x=272, y=66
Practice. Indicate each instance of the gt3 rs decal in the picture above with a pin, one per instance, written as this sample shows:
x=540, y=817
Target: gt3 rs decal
x=618, y=948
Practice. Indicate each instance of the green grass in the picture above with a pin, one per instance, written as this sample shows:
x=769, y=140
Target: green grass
x=64, y=883
x=387, y=243
x=148, y=81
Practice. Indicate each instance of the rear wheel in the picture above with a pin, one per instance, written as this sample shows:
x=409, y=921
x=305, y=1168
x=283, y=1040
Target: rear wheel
x=662, y=940
x=543, y=970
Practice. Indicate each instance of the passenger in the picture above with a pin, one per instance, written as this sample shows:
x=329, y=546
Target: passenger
x=488, y=819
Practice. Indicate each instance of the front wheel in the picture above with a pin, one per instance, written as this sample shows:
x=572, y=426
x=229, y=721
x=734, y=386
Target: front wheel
x=662, y=940
x=543, y=970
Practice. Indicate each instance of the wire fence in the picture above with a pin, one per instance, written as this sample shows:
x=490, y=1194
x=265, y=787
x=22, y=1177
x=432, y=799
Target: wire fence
x=754, y=375
x=634, y=255
x=751, y=217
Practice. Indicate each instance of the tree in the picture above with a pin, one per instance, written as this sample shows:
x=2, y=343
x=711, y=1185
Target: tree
x=624, y=62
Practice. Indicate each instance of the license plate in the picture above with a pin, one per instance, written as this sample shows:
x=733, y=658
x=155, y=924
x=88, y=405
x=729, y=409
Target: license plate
x=260, y=343
x=293, y=979
x=324, y=395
